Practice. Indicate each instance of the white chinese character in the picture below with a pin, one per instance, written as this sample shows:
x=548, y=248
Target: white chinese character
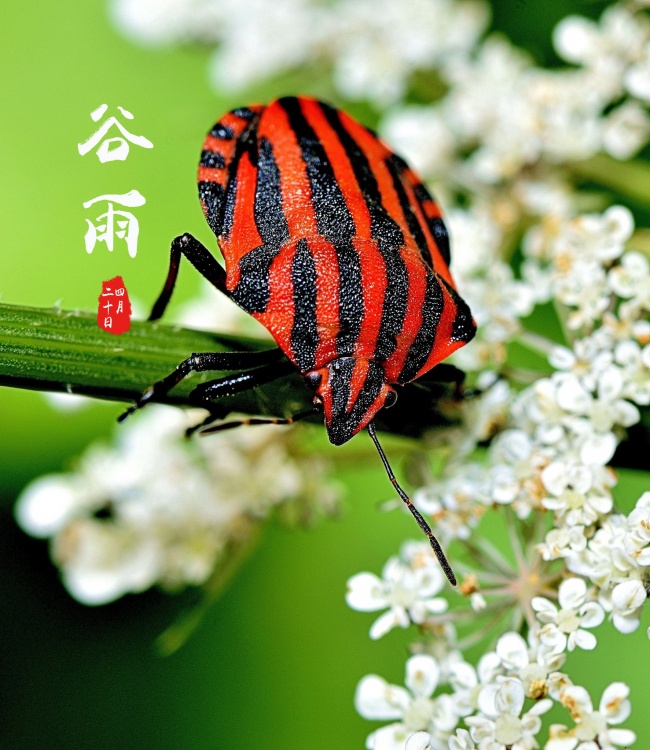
x=126, y=227
x=121, y=150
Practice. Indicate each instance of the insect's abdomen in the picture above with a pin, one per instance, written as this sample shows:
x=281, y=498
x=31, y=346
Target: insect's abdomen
x=332, y=242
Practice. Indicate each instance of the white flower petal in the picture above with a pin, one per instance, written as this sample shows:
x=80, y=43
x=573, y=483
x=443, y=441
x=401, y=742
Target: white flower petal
x=628, y=596
x=391, y=737
x=583, y=639
x=598, y=449
x=545, y=609
x=510, y=697
x=376, y=699
x=46, y=505
x=394, y=618
x=614, y=704
x=572, y=593
x=422, y=675
x=512, y=650
x=591, y=615
x=366, y=593
x=419, y=741
x=623, y=738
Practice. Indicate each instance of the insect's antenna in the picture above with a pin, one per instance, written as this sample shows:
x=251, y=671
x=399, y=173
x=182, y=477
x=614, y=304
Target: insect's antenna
x=416, y=513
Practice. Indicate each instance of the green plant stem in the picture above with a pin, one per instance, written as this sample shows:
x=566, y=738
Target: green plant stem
x=65, y=351
x=629, y=178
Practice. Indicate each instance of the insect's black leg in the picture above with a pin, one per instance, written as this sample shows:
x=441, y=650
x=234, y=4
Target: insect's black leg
x=248, y=421
x=201, y=258
x=205, y=392
x=201, y=363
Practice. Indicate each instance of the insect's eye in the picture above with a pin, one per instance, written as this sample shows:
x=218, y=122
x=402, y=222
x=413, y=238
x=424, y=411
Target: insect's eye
x=391, y=399
x=314, y=379
x=318, y=402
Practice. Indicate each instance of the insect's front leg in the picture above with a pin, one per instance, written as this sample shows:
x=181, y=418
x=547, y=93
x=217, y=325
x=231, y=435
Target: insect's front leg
x=201, y=258
x=204, y=362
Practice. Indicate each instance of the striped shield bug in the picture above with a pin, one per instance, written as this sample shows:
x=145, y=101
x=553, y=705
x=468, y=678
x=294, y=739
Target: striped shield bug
x=334, y=244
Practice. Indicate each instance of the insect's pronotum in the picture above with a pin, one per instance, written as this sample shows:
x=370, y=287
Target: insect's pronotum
x=334, y=244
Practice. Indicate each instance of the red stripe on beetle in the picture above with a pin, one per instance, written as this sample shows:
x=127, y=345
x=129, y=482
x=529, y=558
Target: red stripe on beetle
x=243, y=228
x=373, y=267
x=413, y=319
x=357, y=381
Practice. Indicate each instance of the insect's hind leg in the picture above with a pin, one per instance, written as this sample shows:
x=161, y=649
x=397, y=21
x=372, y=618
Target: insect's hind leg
x=207, y=427
x=210, y=361
x=201, y=258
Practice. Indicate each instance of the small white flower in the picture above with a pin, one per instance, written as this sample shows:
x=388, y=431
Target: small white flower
x=408, y=589
x=637, y=77
x=157, y=509
x=532, y=664
x=456, y=502
x=606, y=48
x=631, y=281
x=415, y=707
x=461, y=741
x=627, y=600
x=423, y=138
x=577, y=492
x=564, y=628
x=517, y=465
x=625, y=130
x=499, y=725
x=586, y=360
x=637, y=540
x=635, y=362
x=593, y=728
x=497, y=301
x=419, y=741
x=604, y=410
x=562, y=542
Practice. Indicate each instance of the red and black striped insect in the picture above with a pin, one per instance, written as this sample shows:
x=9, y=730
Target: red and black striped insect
x=334, y=244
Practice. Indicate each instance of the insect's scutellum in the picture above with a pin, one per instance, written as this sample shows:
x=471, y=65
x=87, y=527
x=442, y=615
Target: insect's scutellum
x=335, y=245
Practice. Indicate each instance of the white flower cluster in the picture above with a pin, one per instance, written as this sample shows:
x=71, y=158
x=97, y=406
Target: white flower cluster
x=553, y=432
x=501, y=701
x=159, y=510
x=554, y=441
x=373, y=46
x=503, y=117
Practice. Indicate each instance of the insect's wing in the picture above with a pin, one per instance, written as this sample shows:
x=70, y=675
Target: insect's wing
x=231, y=137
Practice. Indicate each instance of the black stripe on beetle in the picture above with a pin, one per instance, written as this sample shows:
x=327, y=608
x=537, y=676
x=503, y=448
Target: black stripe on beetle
x=424, y=341
x=304, y=334
x=269, y=213
x=385, y=232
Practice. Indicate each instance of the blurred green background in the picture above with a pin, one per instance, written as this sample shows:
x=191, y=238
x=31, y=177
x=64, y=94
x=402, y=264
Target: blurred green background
x=275, y=662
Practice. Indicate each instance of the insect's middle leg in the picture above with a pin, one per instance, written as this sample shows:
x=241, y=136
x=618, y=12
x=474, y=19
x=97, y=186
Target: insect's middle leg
x=201, y=258
x=209, y=361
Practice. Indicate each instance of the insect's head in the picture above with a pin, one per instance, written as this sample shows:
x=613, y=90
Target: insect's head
x=350, y=391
